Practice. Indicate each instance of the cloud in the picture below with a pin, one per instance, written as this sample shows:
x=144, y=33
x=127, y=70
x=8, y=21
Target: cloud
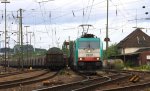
x=55, y=21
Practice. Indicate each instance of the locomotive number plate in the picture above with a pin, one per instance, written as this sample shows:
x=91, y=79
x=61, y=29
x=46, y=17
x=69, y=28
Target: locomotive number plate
x=89, y=55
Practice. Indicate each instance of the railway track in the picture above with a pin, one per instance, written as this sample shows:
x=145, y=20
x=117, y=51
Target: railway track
x=126, y=71
x=136, y=87
x=85, y=75
x=83, y=85
x=16, y=73
x=127, y=84
x=114, y=78
x=41, y=77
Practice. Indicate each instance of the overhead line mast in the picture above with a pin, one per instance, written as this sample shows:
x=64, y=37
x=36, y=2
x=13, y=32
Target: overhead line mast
x=20, y=31
x=107, y=38
x=5, y=1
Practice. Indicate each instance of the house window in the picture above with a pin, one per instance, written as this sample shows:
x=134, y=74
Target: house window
x=148, y=57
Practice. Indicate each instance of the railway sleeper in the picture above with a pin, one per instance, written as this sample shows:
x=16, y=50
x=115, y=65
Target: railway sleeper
x=48, y=83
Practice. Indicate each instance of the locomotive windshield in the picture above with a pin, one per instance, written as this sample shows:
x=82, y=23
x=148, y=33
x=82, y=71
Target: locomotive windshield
x=88, y=44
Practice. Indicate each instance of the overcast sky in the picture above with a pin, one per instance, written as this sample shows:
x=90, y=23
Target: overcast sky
x=53, y=21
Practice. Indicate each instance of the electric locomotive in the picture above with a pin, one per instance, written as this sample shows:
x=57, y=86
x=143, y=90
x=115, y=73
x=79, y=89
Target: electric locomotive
x=86, y=53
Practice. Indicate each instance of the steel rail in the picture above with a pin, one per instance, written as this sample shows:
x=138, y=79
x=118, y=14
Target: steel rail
x=125, y=71
x=93, y=86
x=27, y=81
x=22, y=79
x=75, y=85
x=131, y=87
x=16, y=73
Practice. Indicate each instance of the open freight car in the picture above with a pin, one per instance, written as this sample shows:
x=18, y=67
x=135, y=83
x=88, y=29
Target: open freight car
x=55, y=59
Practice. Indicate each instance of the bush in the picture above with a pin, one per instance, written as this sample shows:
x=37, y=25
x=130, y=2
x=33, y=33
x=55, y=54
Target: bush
x=129, y=64
x=118, y=64
x=114, y=64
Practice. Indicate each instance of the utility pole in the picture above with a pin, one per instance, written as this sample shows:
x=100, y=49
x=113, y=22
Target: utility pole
x=5, y=30
x=107, y=38
x=27, y=40
x=30, y=44
x=20, y=30
x=34, y=40
x=30, y=36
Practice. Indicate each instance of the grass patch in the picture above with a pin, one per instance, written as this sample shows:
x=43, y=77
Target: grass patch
x=139, y=68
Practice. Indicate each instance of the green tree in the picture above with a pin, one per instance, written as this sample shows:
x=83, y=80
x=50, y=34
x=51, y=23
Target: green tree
x=66, y=50
x=112, y=51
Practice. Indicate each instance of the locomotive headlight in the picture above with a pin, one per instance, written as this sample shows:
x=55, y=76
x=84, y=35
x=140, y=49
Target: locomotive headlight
x=89, y=51
x=97, y=58
x=80, y=58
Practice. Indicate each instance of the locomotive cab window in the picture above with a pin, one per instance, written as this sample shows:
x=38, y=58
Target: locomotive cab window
x=88, y=44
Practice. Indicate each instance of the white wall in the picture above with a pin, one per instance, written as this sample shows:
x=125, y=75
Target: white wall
x=131, y=50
